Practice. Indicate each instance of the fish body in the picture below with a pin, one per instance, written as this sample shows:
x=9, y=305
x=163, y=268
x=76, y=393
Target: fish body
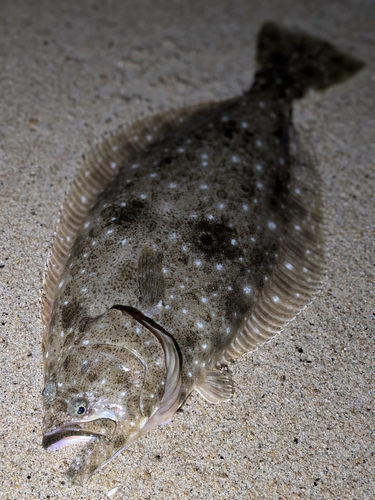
x=187, y=241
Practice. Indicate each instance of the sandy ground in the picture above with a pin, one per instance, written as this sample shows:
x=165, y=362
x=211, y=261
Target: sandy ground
x=301, y=422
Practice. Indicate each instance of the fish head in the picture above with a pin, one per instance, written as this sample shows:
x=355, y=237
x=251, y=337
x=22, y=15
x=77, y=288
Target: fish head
x=105, y=395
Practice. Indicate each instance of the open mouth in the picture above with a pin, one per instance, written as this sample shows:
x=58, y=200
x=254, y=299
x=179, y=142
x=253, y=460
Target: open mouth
x=82, y=432
x=66, y=436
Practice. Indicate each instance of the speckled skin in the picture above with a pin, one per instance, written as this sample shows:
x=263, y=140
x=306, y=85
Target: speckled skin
x=211, y=205
x=188, y=234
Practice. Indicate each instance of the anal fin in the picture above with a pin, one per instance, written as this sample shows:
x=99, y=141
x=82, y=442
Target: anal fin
x=214, y=386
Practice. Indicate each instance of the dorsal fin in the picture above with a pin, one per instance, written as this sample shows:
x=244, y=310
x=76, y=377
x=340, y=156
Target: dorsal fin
x=300, y=267
x=99, y=167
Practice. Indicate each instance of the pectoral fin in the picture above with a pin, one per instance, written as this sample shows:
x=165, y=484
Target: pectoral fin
x=214, y=386
x=151, y=281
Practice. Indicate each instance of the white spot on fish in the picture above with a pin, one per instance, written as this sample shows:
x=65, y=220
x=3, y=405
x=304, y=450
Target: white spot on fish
x=247, y=290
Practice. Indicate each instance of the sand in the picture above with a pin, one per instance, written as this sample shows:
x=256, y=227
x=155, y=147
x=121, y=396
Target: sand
x=300, y=424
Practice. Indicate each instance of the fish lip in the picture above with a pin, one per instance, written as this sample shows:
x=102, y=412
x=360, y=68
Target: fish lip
x=79, y=428
x=57, y=434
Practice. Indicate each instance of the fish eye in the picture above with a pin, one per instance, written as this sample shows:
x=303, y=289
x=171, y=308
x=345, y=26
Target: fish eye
x=79, y=407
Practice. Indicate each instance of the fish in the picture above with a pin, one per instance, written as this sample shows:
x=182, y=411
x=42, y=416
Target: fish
x=188, y=239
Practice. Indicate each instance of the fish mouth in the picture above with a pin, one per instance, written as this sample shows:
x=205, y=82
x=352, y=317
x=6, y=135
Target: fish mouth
x=69, y=434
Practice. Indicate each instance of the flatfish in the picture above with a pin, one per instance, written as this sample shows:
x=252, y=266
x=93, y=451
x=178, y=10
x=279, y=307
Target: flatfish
x=187, y=240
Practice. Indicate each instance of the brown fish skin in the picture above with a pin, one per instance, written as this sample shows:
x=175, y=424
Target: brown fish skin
x=203, y=243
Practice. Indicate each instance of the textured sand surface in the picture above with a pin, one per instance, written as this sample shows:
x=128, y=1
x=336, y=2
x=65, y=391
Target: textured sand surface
x=301, y=422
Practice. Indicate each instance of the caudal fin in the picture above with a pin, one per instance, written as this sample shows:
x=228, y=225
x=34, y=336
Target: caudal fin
x=310, y=62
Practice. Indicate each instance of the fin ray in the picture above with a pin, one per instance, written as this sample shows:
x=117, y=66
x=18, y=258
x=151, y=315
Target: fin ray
x=151, y=280
x=214, y=386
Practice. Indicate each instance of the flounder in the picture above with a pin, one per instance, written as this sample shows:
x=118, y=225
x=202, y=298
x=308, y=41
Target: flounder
x=187, y=240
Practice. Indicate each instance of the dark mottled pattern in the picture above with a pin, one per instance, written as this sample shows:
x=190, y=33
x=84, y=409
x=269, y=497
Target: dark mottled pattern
x=188, y=234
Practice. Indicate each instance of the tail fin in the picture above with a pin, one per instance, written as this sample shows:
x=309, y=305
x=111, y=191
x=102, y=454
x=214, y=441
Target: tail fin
x=309, y=61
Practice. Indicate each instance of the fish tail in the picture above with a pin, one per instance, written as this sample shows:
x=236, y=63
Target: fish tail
x=306, y=61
